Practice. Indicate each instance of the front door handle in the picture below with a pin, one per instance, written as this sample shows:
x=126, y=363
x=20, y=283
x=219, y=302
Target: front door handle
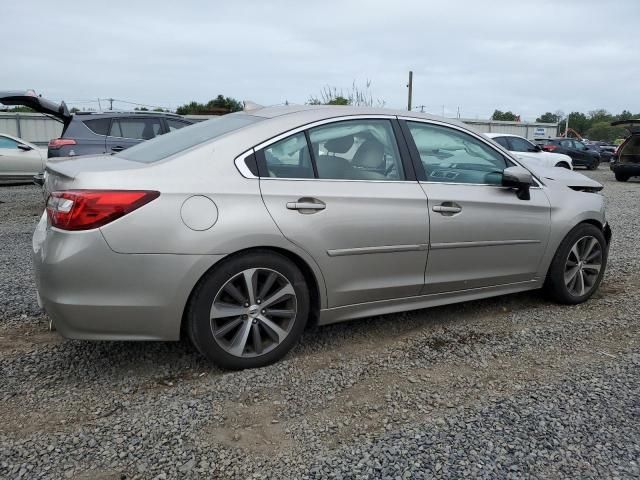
x=307, y=205
x=447, y=208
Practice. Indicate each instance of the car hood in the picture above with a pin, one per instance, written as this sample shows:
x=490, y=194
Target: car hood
x=570, y=178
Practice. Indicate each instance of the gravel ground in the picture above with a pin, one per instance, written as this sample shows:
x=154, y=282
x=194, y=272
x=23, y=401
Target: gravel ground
x=509, y=387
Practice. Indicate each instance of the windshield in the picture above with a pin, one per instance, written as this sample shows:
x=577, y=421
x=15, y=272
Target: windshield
x=164, y=146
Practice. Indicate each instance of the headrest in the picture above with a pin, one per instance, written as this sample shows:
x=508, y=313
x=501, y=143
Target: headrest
x=339, y=145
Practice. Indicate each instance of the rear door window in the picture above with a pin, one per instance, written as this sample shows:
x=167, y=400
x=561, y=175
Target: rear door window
x=289, y=158
x=502, y=141
x=521, y=145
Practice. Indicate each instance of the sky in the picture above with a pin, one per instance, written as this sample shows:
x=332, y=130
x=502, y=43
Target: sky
x=528, y=57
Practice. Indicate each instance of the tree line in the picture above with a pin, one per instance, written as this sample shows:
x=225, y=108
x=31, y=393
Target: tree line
x=594, y=125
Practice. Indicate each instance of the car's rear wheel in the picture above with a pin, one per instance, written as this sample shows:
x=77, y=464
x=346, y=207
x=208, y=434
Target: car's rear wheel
x=249, y=311
x=578, y=265
x=621, y=177
x=594, y=165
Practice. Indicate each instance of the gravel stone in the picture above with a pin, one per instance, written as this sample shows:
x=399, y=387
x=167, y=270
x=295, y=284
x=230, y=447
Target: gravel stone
x=508, y=387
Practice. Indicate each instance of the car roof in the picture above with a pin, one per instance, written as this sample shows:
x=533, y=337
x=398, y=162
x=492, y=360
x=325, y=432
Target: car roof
x=320, y=112
x=121, y=113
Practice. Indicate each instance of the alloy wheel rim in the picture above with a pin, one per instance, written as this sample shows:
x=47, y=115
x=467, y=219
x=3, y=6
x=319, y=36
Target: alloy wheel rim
x=253, y=312
x=583, y=265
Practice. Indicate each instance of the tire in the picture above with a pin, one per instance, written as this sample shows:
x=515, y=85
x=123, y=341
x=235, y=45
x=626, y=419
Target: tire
x=621, y=177
x=558, y=285
x=255, y=337
x=594, y=165
x=563, y=165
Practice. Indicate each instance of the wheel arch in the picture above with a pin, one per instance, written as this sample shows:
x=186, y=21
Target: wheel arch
x=317, y=289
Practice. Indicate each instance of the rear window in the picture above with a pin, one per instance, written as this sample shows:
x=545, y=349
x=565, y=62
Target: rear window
x=179, y=140
x=99, y=126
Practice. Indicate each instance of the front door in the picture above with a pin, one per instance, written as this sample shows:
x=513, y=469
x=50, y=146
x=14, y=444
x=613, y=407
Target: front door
x=341, y=192
x=481, y=234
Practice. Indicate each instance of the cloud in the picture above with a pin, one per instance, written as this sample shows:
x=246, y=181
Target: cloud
x=528, y=57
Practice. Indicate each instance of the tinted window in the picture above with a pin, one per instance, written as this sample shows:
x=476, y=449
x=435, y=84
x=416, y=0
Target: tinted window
x=99, y=126
x=137, y=128
x=166, y=145
x=356, y=150
x=502, y=141
x=8, y=143
x=174, y=124
x=566, y=143
x=450, y=155
x=521, y=145
x=289, y=158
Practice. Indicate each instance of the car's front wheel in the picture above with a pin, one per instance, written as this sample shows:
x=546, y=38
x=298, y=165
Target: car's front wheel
x=578, y=265
x=249, y=311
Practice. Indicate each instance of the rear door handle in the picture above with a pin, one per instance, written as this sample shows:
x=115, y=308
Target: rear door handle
x=307, y=205
x=447, y=208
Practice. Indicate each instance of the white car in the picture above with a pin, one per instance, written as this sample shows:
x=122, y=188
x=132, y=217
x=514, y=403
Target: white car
x=19, y=159
x=530, y=153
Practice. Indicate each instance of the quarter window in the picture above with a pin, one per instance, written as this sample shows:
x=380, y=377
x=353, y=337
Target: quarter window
x=136, y=128
x=175, y=124
x=356, y=150
x=449, y=155
x=99, y=126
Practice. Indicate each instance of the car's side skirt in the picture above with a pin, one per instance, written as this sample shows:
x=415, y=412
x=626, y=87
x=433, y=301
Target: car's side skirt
x=350, y=312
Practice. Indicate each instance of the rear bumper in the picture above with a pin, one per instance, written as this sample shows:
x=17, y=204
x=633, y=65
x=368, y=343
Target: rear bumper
x=92, y=293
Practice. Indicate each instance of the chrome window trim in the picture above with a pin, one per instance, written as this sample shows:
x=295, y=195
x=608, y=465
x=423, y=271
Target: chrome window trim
x=242, y=166
x=477, y=136
x=318, y=123
x=534, y=187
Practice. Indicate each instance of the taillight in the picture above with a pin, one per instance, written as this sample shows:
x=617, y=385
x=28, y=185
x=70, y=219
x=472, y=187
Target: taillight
x=57, y=143
x=549, y=148
x=87, y=209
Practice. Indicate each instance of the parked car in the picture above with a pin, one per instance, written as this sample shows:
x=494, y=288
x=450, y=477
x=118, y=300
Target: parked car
x=626, y=162
x=88, y=133
x=240, y=231
x=605, y=150
x=19, y=159
x=526, y=151
x=580, y=154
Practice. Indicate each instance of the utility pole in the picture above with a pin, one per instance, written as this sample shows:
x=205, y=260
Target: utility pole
x=410, y=86
x=111, y=104
x=566, y=127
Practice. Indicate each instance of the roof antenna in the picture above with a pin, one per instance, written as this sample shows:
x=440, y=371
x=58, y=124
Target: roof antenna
x=250, y=106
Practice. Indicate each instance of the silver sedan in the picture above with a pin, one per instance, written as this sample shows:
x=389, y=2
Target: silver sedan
x=241, y=231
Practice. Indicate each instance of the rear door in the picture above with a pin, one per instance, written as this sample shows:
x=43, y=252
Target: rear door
x=481, y=234
x=128, y=131
x=343, y=192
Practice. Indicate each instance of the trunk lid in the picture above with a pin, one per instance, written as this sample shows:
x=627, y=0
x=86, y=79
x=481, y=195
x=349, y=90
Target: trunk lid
x=632, y=125
x=29, y=98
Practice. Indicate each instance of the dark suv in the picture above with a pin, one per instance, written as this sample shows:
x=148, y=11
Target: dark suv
x=581, y=155
x=626, y=162
x=87, y=133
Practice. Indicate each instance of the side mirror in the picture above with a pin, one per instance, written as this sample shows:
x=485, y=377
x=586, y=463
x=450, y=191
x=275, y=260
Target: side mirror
x=24, y=147
x=518, y=178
